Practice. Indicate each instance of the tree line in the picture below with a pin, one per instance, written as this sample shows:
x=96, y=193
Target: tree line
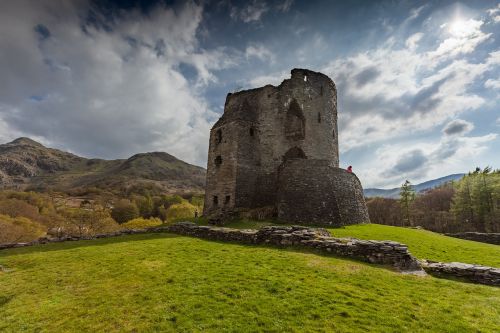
x=470, y=204
x=25, y=216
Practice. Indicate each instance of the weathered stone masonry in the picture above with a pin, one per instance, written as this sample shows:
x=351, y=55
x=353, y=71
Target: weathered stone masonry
x=276, y=148
x=379, y=252
x=491, y=238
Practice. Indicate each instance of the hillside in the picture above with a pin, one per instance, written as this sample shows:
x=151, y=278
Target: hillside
x=167, y=283
x=394, y=192
x=27, y=164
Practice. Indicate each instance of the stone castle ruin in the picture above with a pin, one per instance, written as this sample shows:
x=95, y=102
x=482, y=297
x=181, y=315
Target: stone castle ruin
x=274, y=154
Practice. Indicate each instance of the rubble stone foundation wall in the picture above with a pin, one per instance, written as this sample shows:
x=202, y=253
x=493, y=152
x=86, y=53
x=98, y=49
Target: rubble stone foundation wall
x=377, y=252
x=474, y=273
x=491, y=238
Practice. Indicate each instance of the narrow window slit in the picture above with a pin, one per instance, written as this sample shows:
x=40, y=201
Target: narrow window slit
x=218, y=160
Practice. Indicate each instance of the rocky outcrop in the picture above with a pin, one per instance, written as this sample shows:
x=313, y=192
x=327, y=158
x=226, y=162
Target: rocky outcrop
x=491, y=238
x=474, y=273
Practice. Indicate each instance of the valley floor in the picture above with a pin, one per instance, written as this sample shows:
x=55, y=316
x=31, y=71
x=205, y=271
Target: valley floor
x=168, y=283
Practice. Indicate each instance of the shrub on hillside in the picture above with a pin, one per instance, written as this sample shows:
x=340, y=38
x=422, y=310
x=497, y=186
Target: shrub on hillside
x=174, y=199
x=124, y=211
x=19, y=229
x=88, y=222
x=16, y=207
x=145, y=205
x=142, y=223
x=198, y=201
x=180, y=211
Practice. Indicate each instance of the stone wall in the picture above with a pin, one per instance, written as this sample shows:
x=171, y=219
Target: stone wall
x=47, y=240
x=378, y=252
x=474, y=273
x=492, y=238
x=316, y=192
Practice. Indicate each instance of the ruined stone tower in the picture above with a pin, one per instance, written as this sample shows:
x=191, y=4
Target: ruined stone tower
x=274, y=153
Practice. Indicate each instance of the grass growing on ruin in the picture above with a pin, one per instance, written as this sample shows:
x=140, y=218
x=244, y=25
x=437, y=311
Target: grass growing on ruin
x=422, y=244
x=426, y=244
x=161, y=282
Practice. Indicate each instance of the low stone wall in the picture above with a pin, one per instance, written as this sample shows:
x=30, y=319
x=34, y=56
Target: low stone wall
x=474, y=273
x=47, y=240
x=492, y=238
x=379, y=252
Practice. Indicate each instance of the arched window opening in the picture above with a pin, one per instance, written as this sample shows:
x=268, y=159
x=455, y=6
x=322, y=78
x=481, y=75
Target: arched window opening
x=215, y=200
x=319, y=117
x=227, y=200
x=252, y=131
x=321, y=91
x=294, y=153
x=218, y=161
x=295, y=122
x=218, y=136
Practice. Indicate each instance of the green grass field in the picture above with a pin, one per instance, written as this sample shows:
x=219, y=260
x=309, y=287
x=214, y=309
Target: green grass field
x=425, y=244
x=167, y=283
x=422, y=244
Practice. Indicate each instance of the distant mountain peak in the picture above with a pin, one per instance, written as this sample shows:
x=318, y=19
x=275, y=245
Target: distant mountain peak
x=26, y=141
x=25, y=163
x=427, y=185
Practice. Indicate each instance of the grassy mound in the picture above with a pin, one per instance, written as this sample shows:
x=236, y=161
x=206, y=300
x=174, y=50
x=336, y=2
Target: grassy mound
x=426, y=244
x=160, y=282
x=422, y=244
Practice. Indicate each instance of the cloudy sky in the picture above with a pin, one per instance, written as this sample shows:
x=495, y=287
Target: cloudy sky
x=418, y=82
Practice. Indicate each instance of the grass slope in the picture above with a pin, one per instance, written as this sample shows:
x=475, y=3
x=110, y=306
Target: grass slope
x=422, y=244
x=427, y=244
x=148, y=283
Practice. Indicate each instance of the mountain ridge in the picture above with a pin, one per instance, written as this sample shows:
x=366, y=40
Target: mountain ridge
x=26, y=164
x=429, y=184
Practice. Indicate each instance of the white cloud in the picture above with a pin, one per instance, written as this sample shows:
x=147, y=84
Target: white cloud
x=260, y=52
x=466, y=35
x=391, y=91
x=493, y=84
x=412, y=41
x=114, y=91
x=421, y=161
x=251, y=12
x=275, y=79
x=494, y=13
x=285, y=6
x=415, y=12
